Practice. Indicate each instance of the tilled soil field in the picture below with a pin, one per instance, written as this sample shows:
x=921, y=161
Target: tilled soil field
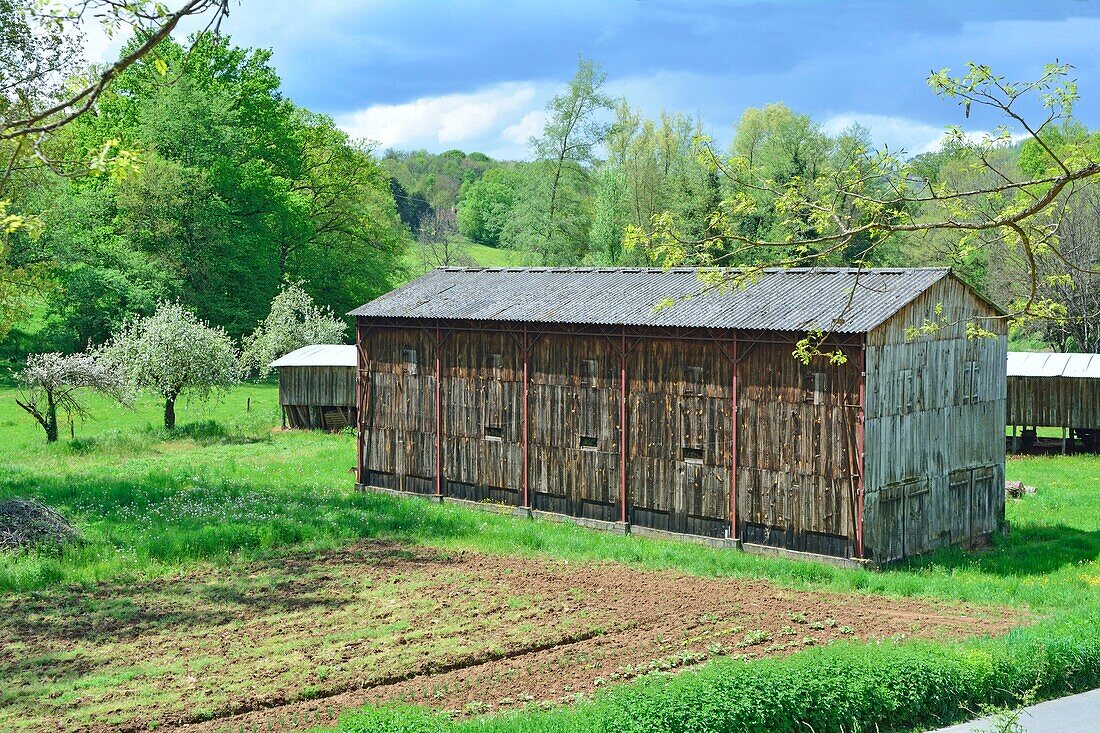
x=296, y=640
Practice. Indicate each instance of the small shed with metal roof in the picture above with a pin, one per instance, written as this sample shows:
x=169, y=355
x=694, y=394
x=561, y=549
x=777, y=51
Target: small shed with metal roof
x=1054, y=390
x=317, y=387
x=662, y=402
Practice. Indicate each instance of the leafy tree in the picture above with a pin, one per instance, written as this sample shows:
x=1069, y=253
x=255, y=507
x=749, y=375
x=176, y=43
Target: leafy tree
x=430, y=181
x=172, y=352
x=237, y=190
x=877, y=196
x=54, y=381
x=411, y=208
x=487, y=203
x=294, y=321
x=557, y=208
x=43, y=94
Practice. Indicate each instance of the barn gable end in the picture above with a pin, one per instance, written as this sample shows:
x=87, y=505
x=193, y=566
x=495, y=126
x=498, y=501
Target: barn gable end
x=934, y=425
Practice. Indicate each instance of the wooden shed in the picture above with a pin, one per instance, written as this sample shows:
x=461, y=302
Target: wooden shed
x=317, y=387
x=1054, y=391
x=646, y=401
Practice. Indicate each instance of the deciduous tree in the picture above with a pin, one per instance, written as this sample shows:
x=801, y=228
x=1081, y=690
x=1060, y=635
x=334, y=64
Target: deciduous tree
x=294, y=321
x=871, y=197
x=172, y=352
x=52, y=382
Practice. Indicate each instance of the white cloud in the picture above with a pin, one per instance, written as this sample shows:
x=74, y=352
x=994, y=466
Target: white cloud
x=900, y=133
x=510, y=111
x=529, y=125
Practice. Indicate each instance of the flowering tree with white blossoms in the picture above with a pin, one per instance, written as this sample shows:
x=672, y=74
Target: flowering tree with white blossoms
x=172, y=352
x=295, y=321
x=53, y=381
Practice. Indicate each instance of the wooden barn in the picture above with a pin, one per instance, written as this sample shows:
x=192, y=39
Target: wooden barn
x=644, y=401
x=317, y=387
x=1054, y=391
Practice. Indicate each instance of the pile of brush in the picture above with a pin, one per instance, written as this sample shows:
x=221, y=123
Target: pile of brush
x=26, y=524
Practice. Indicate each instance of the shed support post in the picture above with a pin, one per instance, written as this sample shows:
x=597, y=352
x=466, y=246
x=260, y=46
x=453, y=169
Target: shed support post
x=733, y=439
x=362, y=384
x=526, y=425
x=438, y=413
x=862, y=365
x=622, y=426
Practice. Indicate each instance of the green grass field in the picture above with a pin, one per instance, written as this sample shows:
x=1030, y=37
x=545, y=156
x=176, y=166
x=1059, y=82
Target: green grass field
x=482, y=256
x=227, y=487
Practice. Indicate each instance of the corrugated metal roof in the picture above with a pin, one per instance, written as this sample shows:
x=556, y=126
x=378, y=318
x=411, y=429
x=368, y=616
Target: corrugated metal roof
x=318, y=355
x=795, y=299
x=1074, y=366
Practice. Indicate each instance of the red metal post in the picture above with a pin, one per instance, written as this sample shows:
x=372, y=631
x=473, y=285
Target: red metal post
x=526, y=430
x=733, y=440
x=859, y=447
x=438, y=413
x=360, y=388
x=622, y=426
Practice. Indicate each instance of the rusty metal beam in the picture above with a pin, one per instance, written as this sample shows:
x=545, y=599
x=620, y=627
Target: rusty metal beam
x=862, y=365
x=622, y=427
x=733, y=439
x=438, y=412
x=526, y=424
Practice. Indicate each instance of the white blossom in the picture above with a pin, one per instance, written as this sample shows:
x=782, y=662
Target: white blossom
x=295, y=321
x=172, y=352
x=50, y=382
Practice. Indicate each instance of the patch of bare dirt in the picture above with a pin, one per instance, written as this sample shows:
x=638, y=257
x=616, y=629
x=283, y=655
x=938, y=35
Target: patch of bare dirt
x=295, y=641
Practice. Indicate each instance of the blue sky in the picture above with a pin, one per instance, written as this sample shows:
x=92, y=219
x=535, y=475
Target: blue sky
x=476, y=75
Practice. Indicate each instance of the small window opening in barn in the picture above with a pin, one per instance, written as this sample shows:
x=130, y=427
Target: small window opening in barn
x=813, y=388
x=496, y=361
x=494, y=432
x=588, y=442
x=692, y=455
x=589, y=367
x=409, y=357
x=693, y=380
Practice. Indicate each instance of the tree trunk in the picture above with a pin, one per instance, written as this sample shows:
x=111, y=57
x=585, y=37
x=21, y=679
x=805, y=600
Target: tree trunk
x=51, y=420
x=170, y=413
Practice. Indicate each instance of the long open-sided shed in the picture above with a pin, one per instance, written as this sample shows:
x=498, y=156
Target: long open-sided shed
x=317, y=386
x=643, y=399
x=1054, y=391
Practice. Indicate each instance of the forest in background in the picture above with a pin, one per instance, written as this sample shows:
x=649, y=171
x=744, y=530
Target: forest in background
x=236, y=190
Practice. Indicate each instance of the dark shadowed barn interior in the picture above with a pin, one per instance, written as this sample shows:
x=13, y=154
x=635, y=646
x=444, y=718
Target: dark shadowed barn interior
x=1054, y=391
x=645, y=399
x=317, y=387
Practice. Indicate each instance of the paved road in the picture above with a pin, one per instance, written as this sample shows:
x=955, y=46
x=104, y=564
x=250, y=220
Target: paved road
x=1074, y=714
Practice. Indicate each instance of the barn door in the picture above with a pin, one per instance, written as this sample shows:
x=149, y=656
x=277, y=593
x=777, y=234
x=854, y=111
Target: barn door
x=904, y=515
x=917, y=508
x=891, y=509
x=959, y=489
x=981, y=503
x=972, y=511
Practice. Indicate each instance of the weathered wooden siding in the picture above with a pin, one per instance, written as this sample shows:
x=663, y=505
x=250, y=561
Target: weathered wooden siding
x=1057, y=402
x=796, y=443
x=482, y=392
x=934, y=430
x=397, y=419
x=678, y=441
x=574, y=433
x=318, y=397
x=334, y=386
